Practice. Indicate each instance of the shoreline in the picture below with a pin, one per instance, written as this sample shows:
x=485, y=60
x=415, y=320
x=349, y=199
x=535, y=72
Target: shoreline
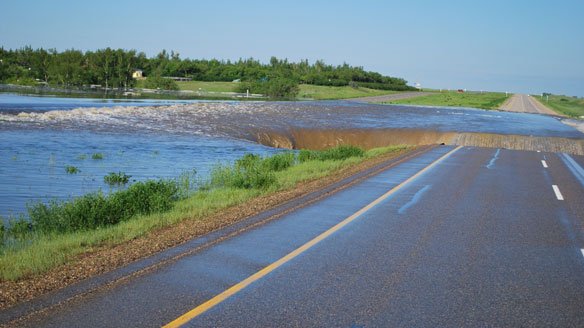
x=104, y=259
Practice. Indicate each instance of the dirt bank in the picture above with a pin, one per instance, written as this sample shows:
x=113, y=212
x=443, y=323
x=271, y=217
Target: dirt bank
x=371, y=138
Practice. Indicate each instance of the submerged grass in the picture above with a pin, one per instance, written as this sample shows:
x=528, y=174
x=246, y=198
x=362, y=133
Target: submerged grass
x=116, y=179
x=71, y=169
x=57, y=232
x=97, y=156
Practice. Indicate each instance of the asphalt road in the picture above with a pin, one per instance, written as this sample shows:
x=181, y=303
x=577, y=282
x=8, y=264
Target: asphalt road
x=480, y=238
x=526, y=104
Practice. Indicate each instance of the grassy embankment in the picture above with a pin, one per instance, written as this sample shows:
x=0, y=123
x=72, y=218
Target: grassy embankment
x=58, y=232
x=569, y=106
x=319, y=92
x=307, y=91
x=485, y=100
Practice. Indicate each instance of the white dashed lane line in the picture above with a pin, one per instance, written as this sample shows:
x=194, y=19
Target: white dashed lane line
x=557, y=192
x=544, y=164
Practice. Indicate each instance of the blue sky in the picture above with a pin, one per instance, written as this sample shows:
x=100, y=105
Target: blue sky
x=517, y=46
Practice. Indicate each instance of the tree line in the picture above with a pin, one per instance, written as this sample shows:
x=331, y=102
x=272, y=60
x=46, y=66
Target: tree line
x=113, y=68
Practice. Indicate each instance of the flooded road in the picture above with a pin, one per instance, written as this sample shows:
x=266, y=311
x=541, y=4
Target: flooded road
x=243, y=119
x=41, y=136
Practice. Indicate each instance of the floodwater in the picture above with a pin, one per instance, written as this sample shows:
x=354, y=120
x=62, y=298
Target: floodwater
x=34, y=155
x=40, y=136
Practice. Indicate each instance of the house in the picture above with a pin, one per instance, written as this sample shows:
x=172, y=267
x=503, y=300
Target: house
x=138, y=75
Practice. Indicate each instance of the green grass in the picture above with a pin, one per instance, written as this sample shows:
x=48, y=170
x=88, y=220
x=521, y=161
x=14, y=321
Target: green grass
x=208, y=86
x=116, y=179
x=307, y=91
x=76, y=227
x=318, y=92
x=71, y=169
x=569, y=106
x=97, y=156
x=485, y=100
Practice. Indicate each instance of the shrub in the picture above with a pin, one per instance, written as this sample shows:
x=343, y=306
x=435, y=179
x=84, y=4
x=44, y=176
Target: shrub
x=186, y=183
x=71, y=169
x=97, y=156
x=116, y=179
x=279, y=162
x=278, y=88
x=159, y=82
x=19, y=228
x=96, y=209
x=341, y=152
x=336, y=154
x=248, y=172
x=247, y=161
x=306, y=155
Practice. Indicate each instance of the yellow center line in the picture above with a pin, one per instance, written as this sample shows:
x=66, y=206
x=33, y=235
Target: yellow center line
x=183, y=319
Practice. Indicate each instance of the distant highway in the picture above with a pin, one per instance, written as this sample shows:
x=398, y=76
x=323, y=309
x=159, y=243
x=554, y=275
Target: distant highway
x=455, y=237
x=526, y=104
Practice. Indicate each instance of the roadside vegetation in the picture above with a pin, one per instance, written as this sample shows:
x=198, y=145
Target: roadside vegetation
x=484, y=100
x=569, y=106
x=207, y=86
x=319, y=92
x=116, y=179
x=97, y=156
x=55, y=233
x=305, y=91
x=113, y=69
x=72, y=169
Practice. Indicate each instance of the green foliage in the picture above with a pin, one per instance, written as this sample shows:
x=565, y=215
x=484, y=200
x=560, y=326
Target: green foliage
x=341, y=153
x=97, y=210
x=570, y=106
x=247, y=173
x=113, y=68
x=71, y=169
x=279, y=162
x=324, y=92
x=116, y=179
x=22, y=81
x=158, y=82
x=187, y=183
x=57, y=232
x=485, y=100
x=335, y=154
x=306, y=155
x=97, y=156
x=277, y=88
x=18, y=228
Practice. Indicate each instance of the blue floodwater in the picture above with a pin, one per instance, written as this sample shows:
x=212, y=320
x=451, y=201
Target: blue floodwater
x=15, y=103
x=40, y=136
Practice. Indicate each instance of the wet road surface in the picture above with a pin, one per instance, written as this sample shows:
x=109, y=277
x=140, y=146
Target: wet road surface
x=526, y=104
x=481, y=237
